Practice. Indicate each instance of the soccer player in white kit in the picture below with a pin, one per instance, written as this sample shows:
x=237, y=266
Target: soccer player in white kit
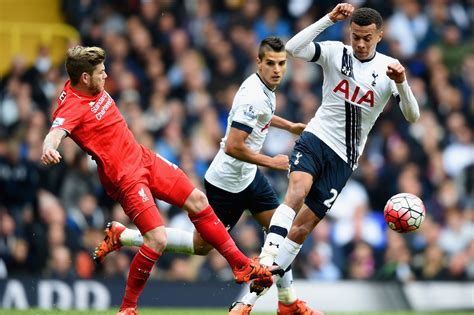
x=358, y=82
x=233, y=181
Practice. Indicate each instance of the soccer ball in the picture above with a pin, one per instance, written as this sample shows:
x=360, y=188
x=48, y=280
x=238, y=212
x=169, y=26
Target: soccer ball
x=404, y=212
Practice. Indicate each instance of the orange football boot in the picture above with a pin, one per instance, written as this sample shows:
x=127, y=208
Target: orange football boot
x=128, y=311
x=298, y=307
x=111, y=241
x=254, y=270
x=239, y=308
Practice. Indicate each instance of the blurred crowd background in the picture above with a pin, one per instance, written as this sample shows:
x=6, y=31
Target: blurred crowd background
x=173, y=68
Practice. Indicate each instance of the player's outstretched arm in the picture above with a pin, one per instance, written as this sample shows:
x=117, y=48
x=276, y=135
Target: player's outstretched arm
x=301, y=45
x=50, y=145
x=282, y=123
x=408, y=103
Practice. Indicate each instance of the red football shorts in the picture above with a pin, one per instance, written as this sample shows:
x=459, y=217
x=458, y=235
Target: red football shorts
x=160, y=179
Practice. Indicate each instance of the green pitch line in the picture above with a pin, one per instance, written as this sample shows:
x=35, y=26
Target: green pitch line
x=200, y=311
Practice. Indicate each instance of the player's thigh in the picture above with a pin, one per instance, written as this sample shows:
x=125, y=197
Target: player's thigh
x=139, y=205
x=306, y=155
x=262, y=199
x=227, y=206
x=305, y=166
x=328, y=186
x=169, y=183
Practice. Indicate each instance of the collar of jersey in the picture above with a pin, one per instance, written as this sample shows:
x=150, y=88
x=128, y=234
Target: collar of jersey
x=264, y=82
x=364, y=61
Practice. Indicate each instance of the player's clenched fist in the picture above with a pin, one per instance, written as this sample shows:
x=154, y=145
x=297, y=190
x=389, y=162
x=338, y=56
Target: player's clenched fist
x=51, y=156
x=396, y=72
x=341, y=12
x=281, y=162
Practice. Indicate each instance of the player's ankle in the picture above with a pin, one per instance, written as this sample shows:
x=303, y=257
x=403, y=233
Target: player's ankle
x=287, y=295
x=268, y=254
x=267, y=257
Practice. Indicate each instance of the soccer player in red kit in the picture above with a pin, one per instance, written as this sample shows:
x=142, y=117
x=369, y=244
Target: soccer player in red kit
x=132, y=174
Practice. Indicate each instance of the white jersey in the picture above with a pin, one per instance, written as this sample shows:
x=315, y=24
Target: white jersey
x=354, y=94
x=252, y=111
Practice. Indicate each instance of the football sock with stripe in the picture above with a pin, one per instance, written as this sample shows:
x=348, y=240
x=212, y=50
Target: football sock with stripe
x=140, y=269
x=280, y=224
x=214, y=232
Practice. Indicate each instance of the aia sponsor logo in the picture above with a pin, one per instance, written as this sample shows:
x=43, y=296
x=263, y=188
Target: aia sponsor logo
x=357, y=96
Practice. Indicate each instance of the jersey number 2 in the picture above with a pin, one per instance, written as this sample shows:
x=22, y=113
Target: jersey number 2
x=328, y=202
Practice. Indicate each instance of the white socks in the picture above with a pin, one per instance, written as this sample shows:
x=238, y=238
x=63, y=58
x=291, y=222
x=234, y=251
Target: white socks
x=279, y=227
x=287, y=254
x=286, y=291
x=178, y=241
x=131, y=237
x=250, y=298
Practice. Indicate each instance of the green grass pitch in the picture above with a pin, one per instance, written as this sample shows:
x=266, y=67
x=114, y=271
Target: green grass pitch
x=200, y=311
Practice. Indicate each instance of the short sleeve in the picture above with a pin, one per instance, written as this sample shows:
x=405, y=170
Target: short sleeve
x=246, y=114
x=67, y=117
x=248, y=109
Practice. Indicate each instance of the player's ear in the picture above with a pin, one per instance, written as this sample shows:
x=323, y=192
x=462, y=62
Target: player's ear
x=380, y=36
x=258, y=62
x=84, y=78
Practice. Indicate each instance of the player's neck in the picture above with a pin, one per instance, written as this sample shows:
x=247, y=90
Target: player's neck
x=265, y=83
x=82, y=89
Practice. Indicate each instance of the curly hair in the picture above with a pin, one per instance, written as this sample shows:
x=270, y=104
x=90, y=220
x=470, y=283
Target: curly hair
x=367, y=16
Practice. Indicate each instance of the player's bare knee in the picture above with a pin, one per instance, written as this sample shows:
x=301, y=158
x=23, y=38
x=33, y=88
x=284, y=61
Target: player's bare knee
x=295, y=197
x=196, y=202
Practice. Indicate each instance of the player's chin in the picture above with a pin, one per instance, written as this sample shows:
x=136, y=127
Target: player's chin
x=362, y=55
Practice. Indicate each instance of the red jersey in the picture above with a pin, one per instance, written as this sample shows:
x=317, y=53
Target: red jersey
x=98, y=127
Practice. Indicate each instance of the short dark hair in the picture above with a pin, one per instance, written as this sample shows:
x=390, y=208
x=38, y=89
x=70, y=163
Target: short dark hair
x=81, y=59
x=367, y=16
x=271, y=43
